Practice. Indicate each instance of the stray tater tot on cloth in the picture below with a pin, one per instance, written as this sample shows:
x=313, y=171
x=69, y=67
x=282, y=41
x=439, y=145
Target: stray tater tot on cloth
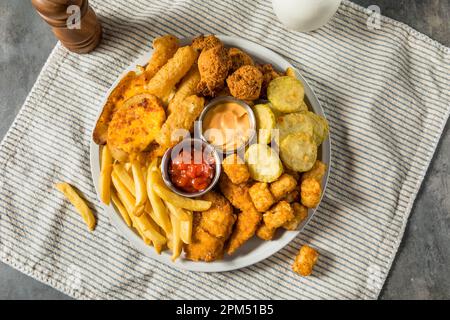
x=238, y=59
x=310, y=192
x=316, y=172
x=305, y=261
x=278, y=215
x=205, y=42
x=246, y=224
x=300, y=214
x=269, y=74
x=265, y=233
x=219, y=219
x=281, y=187
x=261, y=196
x=213, y=64
x=186, y=88
x=236, y=169
x=245, y=83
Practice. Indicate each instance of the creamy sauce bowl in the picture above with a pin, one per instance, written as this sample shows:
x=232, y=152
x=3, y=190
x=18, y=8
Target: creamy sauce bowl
x=227, y=123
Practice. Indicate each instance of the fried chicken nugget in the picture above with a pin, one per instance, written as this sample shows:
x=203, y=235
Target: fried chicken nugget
x=310, y=192
x=316, y=172
x=164, y=81
x=180, y=121
x=218, y=220
x=281, y=187
x=278, y=215
x=246, y=224
x=305, y=261
x=269, y=74
x=186, y=88
x=236, y=169
x=245, y=83
x=261, y=196
x=164, y=49
x=213, y=64
x=265, y=233
x=204, y=43
x=238, y=59
x=300, y=214
x=203, y=246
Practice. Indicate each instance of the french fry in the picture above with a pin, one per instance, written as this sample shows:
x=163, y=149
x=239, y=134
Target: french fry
x=160, y=214
x=149, y=229
x=171, y=73
x=176, y=239
x=105, y=176
x=178, y=201
x=125, y=196
x=119, y=205
x=186, y=228
x=290, y=72
x=78, y=203
x=125, y=177
x=140, y=187
x=180, y=213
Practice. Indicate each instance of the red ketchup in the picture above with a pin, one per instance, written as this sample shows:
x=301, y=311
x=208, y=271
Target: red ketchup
x=192, y=171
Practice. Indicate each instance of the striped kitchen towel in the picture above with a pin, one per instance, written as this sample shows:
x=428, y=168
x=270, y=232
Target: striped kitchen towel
x=385, y=92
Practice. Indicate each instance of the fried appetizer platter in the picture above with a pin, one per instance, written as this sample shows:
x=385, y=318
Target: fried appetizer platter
x=210, y=208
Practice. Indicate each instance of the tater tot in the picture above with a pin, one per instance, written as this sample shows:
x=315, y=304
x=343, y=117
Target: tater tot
x=278, y=215
x=265, y=233
x=316, y=172
x=285, y=184
x=261, y=196
x=305, y=261
x=292, y=196
x=235, y=168
x=310, y=191
x=300, y=214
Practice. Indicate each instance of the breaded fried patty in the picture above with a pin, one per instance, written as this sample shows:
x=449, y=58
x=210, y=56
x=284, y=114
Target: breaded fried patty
x=135, y=125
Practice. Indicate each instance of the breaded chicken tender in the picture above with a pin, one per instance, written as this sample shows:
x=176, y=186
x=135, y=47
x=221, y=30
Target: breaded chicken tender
x=238, y=59
x=305, y=261
x=164, y=48
x=213, y=64
x=265, y=233
x=261, y=196
x=281, y=187
x=186, y=88
x=245, y=83
x=236, y=169
x=218, y=220
x=246, y=224
x=310, y=192
x=316, y=172
x=300, y=214
x=278, y=215
x=237, y=194
x=203, y=246
x=205, y=42
x=269, y=74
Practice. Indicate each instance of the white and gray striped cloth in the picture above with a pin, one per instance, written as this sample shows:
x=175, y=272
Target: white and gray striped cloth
x=385, y=93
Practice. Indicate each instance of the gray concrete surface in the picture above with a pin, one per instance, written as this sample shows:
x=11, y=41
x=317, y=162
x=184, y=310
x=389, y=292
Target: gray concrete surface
x=422, y=267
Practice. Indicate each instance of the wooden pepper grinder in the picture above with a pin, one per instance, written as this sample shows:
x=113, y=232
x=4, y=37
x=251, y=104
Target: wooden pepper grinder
x=73, y=22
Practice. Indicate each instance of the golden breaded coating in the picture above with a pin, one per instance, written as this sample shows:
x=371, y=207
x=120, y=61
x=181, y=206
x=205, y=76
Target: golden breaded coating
x=236, y=169
x=237, y=194
x=186, y=88
x=281, y=187
x=218, y=220
x=265, y=233
x=213, y=65
x=203, y=246
x=269, y=74
x=310, y=192
x=316, y=172
x=245, y=83
x=205, y=42
x=164, y=48
x=246, y=224
x=292, y=196
x=300, y=214
x=305, y=261
x=278, y=215
x=238, y=59
x=261, y=196
x=136, y=124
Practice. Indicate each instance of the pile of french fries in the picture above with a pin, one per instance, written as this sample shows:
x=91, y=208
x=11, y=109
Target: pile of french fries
x=160, y=217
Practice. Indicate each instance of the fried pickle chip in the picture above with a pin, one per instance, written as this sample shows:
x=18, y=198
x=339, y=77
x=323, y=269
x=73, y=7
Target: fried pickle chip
x=263, y=163
x=136, y=124
x=298, y=151
x=286, y=94
x=294, y=123
x=320, y=125
x=265, y=122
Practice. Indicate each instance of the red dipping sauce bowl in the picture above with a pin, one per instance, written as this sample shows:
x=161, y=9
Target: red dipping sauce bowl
x=191, y=168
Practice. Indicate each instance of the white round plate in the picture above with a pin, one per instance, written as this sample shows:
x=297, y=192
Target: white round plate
x=255, y=249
